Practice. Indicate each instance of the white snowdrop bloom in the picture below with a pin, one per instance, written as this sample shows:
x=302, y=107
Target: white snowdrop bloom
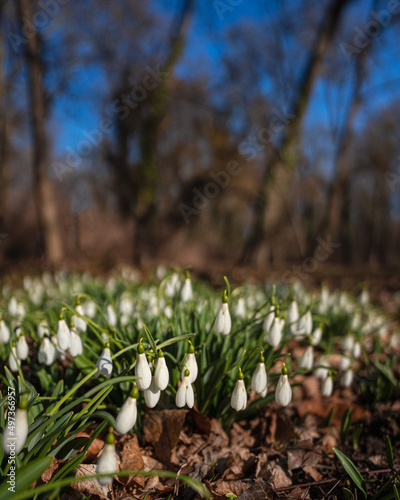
x=357, y=350
x=321, y=372
x=59, y=352
x=13, y=306
x=191, y=364
x=185, y=394
x=126, y=305
x=223, y=320
x=269, y=318
x=79, y=323
x=43, y=329
x=172, y=285
x=107, y=462
x=76, y=347
x=105, y=364
x=292, y=315
x=161, y=374
x=259, y=379
x=264, y=392
x=111, y=316
x=187, y=291
x=317, y=335
x=21, y=311
x=104, y=337
x=283, y=392
x=274, y=335
x=22, y=348
x=168, y=311
x=348, y=343
x=307, y=359
x=47, y=352
x=347, y=378
x=127, y=415
x=355, y=321
x=63, y=335
x=161, y=272
x=306, y=323
x=239, y=394
x=90, y=309
x=344, y=364
x=240, y=309
x=16, y=435
x=327, y=386
x=4, y=332
x=364, y=297
x=13, y=361
x=17, y=327
x=142, y=369
x=152, y=394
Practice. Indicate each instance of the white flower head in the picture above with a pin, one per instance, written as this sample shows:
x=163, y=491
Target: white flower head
x=239, y=394
x=13, y=361
x=80, y=323
x=347, y=378
x=161, y=373
x=269, y=318
x=104, y=363
x=357, y=350
x=43, y=329
x=59, y=352
x=111, y=316
x=76, y=347
x=22, y=347
x=307, y=359
x=292, y=315
x=283, y=392
x=152, y=394
x=17, y=434
x=142, y=369
x=322, y=371
x=107, y=462
x=240, y=310
x=348, y=343
x=127, y=415
x=327, y=386
x=4, y=332
x=317, y=335
x=259, y=378
x=274, y=335
x=47, y=352
x=344, y=363
x=63, y=334
x=191, y=364
x=187, y=290
x=185, y=394
x=223, y=321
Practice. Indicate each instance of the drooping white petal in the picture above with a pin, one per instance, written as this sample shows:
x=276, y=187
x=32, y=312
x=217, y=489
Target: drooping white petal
x=259, y=379
x=4, y=332
x=79, y=323
x=274, y=336
x=347, y=378
x=161, y=374
x=185, y=394
x=22, y=348
x=107, y=463
x=47, y=352
x=223, y=320
x=142, y=370
x=152, y=394
x=127, y=415
x=105, y=364
x=63, y=335
x=191, y=364
x=111, y=316
x=283, y=393
x=307, y=359
x=76, y=347
x=327, y=387
x=13, y=361
x=16, y=435
x=187, y=291
x=239, y=396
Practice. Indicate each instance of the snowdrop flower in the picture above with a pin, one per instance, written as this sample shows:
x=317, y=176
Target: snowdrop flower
x=223, y=320
x=344, y=363
x=76, y=347
x=187, y=291
x=305, y=323
x=60, y=352
x=239, y=394
x=283, y=392
x=364, y=297
x=348, y=343
x=347, y=378
x=292, y=315
x=274, y=335
x=259, y=379
x=152, y=394
x=161, y=374
x=168, y=311
x=80, y=324
x=89, y=308
x=128, y=413
x=317, y=335
x=43, y=329
x=63, y=334
x=107, y=462
x=104, y=363
x=172, y=285
x=21, y=309
x=269, y=318
x=126, y=305
x=142, y=369
x=13, y=306
x=47, y=352
x=327, y=386
x=191, y=364
x=185, y=394
x=357, y=350
x=22, y=348
x=16, y=435
x=4, y=332
x=307, y=359
x=321, y=372
x=13, y=361
x=240, y=310
x=111, y=316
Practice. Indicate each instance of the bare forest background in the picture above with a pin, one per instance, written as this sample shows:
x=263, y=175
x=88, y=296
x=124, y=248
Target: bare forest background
x=252, y=134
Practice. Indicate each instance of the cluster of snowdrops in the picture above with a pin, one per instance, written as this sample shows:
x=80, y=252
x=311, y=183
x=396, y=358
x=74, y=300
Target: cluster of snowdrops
x=232, y=341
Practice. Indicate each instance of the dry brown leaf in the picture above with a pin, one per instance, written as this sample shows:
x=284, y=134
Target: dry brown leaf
x=50, y=471
x=201, y=421
x=303, y=454
x=162, y=429
x=312, y=471
x=90, y=486
x=260, y=490
x=279, y=478
x=328, y=442
x=236, y=487
x=131, y=459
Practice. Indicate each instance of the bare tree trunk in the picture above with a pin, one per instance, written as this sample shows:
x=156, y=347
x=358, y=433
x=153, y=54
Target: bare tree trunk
x=4, y=144
x=272, y=194
x=43, y=189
